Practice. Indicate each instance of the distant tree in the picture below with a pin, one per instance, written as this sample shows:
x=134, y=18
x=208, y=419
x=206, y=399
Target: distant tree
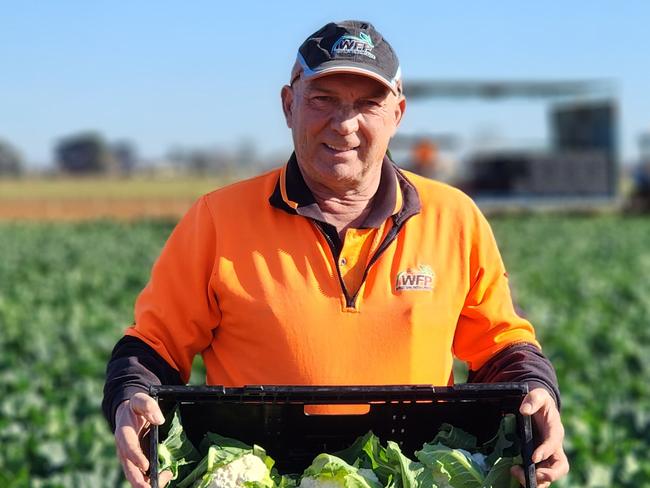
x=10, y=161
x=84, y=153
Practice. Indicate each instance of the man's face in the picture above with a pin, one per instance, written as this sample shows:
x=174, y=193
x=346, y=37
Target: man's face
x=341, y=125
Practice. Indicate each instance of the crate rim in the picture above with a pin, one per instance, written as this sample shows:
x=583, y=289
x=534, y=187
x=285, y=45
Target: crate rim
x=338, y=393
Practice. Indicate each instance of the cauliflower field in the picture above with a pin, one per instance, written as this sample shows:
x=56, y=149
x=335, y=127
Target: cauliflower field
x=67, y=291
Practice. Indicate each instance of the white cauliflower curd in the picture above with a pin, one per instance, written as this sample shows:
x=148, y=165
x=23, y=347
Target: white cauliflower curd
x=248, y=467
x=311, y=482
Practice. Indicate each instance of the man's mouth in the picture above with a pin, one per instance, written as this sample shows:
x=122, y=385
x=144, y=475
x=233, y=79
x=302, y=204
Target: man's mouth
x=340, y=148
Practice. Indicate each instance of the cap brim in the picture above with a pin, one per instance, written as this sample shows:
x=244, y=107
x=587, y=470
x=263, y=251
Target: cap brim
x=350, y=68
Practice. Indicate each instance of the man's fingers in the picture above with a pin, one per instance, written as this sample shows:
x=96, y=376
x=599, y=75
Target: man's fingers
x=554, y=468
x=551, y=462
x=164, y=478
x=548, y=471
x=131, y=418
x=128, y=446
x=518, y=473
x=533, y=401
x=553, y=436
x=544, y=477
x=139, y=480
x=142, y=404
x=547, y=448
x=133, y=474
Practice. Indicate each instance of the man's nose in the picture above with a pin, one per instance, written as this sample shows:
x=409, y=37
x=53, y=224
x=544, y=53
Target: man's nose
x=345, y=120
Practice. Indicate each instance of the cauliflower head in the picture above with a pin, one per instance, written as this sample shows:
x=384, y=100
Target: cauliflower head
x=247, y=468
x=327, y=471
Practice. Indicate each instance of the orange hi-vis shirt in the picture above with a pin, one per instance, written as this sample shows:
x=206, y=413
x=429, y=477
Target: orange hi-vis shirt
x=249, y=280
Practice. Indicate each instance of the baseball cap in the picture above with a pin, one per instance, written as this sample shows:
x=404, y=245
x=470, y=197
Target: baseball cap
x=351, y=46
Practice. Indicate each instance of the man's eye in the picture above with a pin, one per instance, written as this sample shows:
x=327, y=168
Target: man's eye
x=322, y=99
x=370, y=103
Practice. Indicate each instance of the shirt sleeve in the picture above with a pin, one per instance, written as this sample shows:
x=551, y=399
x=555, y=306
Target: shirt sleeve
x=177, y=312
x=519, y=363
x=488, y=321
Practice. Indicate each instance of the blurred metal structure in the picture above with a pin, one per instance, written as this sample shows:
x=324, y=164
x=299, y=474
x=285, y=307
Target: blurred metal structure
x=504, y=88
x=579, y=170
x=405, y=142
x=644, y=146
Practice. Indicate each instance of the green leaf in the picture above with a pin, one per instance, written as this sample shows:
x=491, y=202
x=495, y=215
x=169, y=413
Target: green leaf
x=460, y=469
x=499, y=475
x=405, y=470
x=225, y=443
x=364, y=452
x=505, y=443
x=368, y=453
x=455, y=438
x=176, y=450
x=329, y=468
x=284, y=481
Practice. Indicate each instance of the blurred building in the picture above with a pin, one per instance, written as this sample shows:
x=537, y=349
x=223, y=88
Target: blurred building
x=644, y=147
x=539, y=174
x=581, y=161
x=579, y=167
x=640, y=197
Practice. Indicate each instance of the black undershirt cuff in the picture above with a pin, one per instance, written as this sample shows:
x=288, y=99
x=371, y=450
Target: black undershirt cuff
x=522, y=362
x=134, y=367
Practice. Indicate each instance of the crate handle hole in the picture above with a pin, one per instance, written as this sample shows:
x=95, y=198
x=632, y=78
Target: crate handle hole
x=339, y=409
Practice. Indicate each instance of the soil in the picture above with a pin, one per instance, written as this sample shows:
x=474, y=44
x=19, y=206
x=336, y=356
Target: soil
x=90, y=208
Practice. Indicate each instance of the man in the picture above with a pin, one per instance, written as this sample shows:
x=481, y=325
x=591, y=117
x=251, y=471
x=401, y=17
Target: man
x=336, y=269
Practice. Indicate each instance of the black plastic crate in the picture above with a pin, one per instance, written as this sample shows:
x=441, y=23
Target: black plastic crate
x=273, y=417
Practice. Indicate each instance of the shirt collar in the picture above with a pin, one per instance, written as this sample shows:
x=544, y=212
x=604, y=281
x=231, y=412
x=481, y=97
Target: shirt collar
x=293, y=195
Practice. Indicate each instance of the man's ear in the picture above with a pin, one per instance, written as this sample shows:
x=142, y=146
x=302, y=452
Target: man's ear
x=287, y=103
x=400, y=108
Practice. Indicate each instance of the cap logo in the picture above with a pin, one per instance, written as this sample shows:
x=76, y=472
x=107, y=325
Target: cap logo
x=349, y=45
x=422, y=278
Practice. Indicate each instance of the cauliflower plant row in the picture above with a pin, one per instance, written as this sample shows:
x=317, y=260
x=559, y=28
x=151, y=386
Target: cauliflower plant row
x=451, y=460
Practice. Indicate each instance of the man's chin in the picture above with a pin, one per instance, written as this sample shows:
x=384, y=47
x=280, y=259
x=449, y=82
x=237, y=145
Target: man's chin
x=345, y=171
x=335, y=173
x=336, y=179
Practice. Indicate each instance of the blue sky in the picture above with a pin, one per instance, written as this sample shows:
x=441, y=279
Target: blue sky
x=208, y=73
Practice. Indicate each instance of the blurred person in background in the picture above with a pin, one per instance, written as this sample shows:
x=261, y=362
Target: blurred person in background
x=426, y=160
x=336, y=269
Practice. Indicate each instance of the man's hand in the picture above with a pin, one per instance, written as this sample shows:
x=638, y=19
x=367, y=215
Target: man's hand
x=551, y=462
x=131, y=420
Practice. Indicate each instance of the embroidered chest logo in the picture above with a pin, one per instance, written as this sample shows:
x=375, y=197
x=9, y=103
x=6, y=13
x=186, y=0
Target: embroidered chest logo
x=421, y=278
